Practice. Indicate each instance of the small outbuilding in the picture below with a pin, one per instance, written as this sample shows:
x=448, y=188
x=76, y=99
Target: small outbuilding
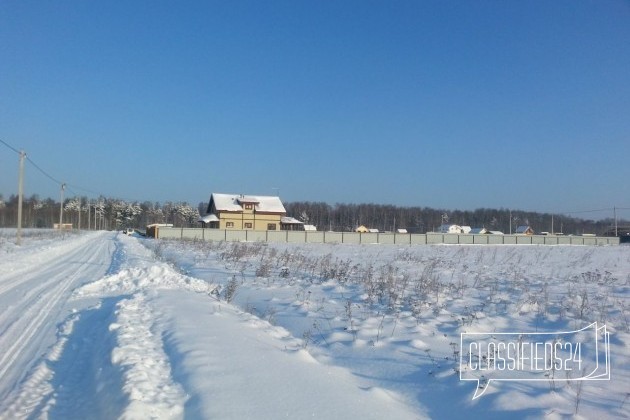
x=290, y=223
x=525, y=230
x=480, y=231
x=450, y=229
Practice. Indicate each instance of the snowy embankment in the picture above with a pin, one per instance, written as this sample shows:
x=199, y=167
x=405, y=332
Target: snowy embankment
x=93, y=326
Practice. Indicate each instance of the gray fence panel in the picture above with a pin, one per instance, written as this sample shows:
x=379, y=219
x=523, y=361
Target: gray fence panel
x=509, y=239
x=466, y=239
x=480, y=239
x=333, y=237
x=169, y=233
x=576, y=240
x=296, y=237
x=256, y=235
x=277, y=236
x=450, y=238
x=435, y=238
x=538, y=240
x=315, y=237
x=351, y=238
x=495, y=239
x=387, y=238
x=564, y=240
x=368, y=238
x=235, y=235
x=551, y=240
x=213, y=235
x=192, y=233
x=418, y=239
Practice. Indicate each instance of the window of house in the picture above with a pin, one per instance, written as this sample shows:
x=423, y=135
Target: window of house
x=248, y=226
x=271, y=226
x=248, y=206
x=229, y=224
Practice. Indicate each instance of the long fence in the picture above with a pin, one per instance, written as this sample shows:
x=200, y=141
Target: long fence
x=301, y=237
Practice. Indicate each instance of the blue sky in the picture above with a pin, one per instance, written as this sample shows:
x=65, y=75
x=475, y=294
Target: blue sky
x=449, y=104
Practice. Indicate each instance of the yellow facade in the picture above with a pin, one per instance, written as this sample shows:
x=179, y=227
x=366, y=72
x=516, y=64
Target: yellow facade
x=249, y=220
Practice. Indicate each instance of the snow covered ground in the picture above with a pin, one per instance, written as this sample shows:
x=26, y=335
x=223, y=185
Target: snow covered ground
x=101, y=325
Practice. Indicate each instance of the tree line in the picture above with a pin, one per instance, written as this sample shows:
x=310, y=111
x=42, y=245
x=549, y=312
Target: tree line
x=109, y=213
x=389, y=218
x=101, y=213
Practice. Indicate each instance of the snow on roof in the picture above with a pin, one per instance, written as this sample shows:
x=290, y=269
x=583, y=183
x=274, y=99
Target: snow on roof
x=290, y=221
x=479, y=230
x=232, y=202
x=248, y=199
x=208, y=218
x=311, y=228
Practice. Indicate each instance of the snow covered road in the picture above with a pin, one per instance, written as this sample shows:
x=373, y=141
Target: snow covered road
x=93, y=326
x=35, y=285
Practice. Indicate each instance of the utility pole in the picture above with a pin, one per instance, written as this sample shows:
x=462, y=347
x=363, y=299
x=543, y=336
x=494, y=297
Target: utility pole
x=615, y=215
x=63, y=187
x=20, y=195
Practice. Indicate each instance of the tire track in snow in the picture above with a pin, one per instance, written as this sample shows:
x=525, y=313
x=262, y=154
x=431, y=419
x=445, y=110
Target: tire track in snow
x=33, y=319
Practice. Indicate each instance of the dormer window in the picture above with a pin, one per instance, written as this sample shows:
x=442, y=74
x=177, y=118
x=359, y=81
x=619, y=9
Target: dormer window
x=249, y=206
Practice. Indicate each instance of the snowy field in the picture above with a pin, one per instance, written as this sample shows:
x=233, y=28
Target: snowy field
x=100, y=325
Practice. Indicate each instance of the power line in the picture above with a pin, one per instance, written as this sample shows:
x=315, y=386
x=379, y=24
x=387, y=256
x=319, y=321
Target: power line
x=9, y=146
x=46, y=174
x=76, y=187
x=586, y=211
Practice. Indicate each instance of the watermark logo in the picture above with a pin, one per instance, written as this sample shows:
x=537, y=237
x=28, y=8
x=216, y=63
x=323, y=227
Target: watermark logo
x=581, y=355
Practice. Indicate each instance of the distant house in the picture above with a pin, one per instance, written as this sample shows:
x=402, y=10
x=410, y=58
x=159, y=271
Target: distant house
x=450, y=229
x=63, y=226
x=310, y=228
x=373, y=230
x=362, y=229
x=480, y=231
x=238, y=211
x=401, y=231
x=524, y=230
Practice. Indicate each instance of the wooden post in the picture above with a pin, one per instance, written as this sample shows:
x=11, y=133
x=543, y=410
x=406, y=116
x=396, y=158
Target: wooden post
x=20, y=195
